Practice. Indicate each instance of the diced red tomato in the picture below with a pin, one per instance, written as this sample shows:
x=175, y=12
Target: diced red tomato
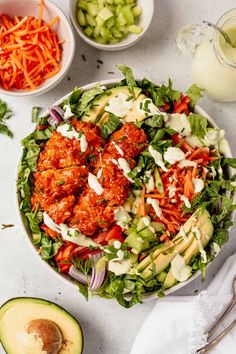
x=182, y=105
x=115, y=233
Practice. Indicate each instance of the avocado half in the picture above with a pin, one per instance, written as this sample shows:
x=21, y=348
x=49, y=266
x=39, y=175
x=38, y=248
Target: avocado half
x=16, y=314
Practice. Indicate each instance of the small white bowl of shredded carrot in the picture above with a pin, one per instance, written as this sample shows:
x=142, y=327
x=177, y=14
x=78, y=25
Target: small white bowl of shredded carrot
x=37, y=47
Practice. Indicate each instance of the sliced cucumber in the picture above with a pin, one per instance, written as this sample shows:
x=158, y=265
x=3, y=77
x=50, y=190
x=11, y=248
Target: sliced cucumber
x=158, y=181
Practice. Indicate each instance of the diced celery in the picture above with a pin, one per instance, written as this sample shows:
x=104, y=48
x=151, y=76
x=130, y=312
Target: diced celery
x=112, y=8
x=99, y=21
x=123, y=29
x=96, y=31
x=101, y=40
x=116, y=33
x=109, y=23
x=157, y=226
x=137, y=11
x=90, y=20
x=81, y=18
x=118, y=9
x=128, y=14
x=105, y=14
x=120, y=20
x=88, y=31
x=130, y=2
x=110, y=2
x=92, y=9
x=135, y=221
x=146, y=233
x=135, y=29
x=82, y=4
x=100, y=6
x=119, y=2
x=104, y=33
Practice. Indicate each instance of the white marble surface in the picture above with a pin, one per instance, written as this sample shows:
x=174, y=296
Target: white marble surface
x=108, y=328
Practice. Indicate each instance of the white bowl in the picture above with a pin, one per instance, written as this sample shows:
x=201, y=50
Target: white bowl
x=63, y=29
x=27, y=233
x=131, y=39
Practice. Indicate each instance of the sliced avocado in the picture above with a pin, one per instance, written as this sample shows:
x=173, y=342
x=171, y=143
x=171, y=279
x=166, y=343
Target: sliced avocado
x=101, y=101
x=163, y=260
x=134, y=115
x=205, y=226
x=16, y=315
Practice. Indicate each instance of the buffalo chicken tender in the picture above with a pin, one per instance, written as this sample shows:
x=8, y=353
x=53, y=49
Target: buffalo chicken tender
x=93, y=211
x=61, y=152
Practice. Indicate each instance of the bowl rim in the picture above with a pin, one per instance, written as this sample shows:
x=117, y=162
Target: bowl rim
x=110, y=47
x=64, y=70
x=27, y=234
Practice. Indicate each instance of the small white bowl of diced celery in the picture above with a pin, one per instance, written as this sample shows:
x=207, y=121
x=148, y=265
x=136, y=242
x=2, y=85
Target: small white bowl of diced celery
x=111, y=24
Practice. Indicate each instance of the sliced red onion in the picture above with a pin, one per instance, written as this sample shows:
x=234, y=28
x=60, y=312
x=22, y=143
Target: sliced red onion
x=78, y=275
x=56, y=114
x=97, y=278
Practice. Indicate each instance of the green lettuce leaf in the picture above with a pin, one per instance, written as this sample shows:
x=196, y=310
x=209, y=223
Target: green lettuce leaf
x=198, y=125
x=165, y=94
x=230, y=161
x=194, y=93
x=110, y=126
x=49, y=248
x=129, y=77
x=5, y=113
x=85, y=100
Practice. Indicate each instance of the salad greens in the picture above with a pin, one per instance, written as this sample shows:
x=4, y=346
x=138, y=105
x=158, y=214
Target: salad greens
x=5, y=114
x=145, y=235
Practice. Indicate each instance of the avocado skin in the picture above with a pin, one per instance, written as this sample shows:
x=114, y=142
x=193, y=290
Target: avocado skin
x=102, y=100
x=46, y=302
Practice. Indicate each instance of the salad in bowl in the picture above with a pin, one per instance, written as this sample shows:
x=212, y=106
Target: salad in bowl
x=125, y=189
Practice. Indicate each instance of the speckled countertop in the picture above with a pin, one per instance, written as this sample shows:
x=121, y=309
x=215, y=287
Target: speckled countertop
x=108, y=328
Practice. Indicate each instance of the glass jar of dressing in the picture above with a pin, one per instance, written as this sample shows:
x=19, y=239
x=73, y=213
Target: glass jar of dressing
x=213, y=59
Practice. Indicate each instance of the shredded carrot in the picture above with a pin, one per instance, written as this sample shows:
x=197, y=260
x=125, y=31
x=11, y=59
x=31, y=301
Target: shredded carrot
x=30, y=51
x=141, y=206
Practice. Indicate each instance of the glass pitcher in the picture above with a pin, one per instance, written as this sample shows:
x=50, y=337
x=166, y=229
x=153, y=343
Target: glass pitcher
x=213, y=59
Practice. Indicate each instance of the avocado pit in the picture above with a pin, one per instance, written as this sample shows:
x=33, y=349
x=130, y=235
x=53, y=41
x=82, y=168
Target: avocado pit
x=50, y=334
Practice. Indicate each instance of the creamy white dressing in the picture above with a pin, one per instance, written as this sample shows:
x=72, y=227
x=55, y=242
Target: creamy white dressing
x=147, y=221
x=197, y=234
x=117, y=244
x=119, y=267
x=122, y=218
x=69, y=132
x=148, y=108
x=120, y=105
x=215, y=248
x=183, y=234
x=187, y=163
x=94, y=184
x=68, y=114
x=69, y=233
x=171, y=191
x=150, y=185
x=118, y=148
x=120, y=255
x=198, y=185
x=193, y=141
x=186, y=201
x=224, y=146
x=155, y=204
x=180, y=123
x=123, y=165
x=179, y=269
x=173, y=155
x=99, y=173
x=157, y=156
